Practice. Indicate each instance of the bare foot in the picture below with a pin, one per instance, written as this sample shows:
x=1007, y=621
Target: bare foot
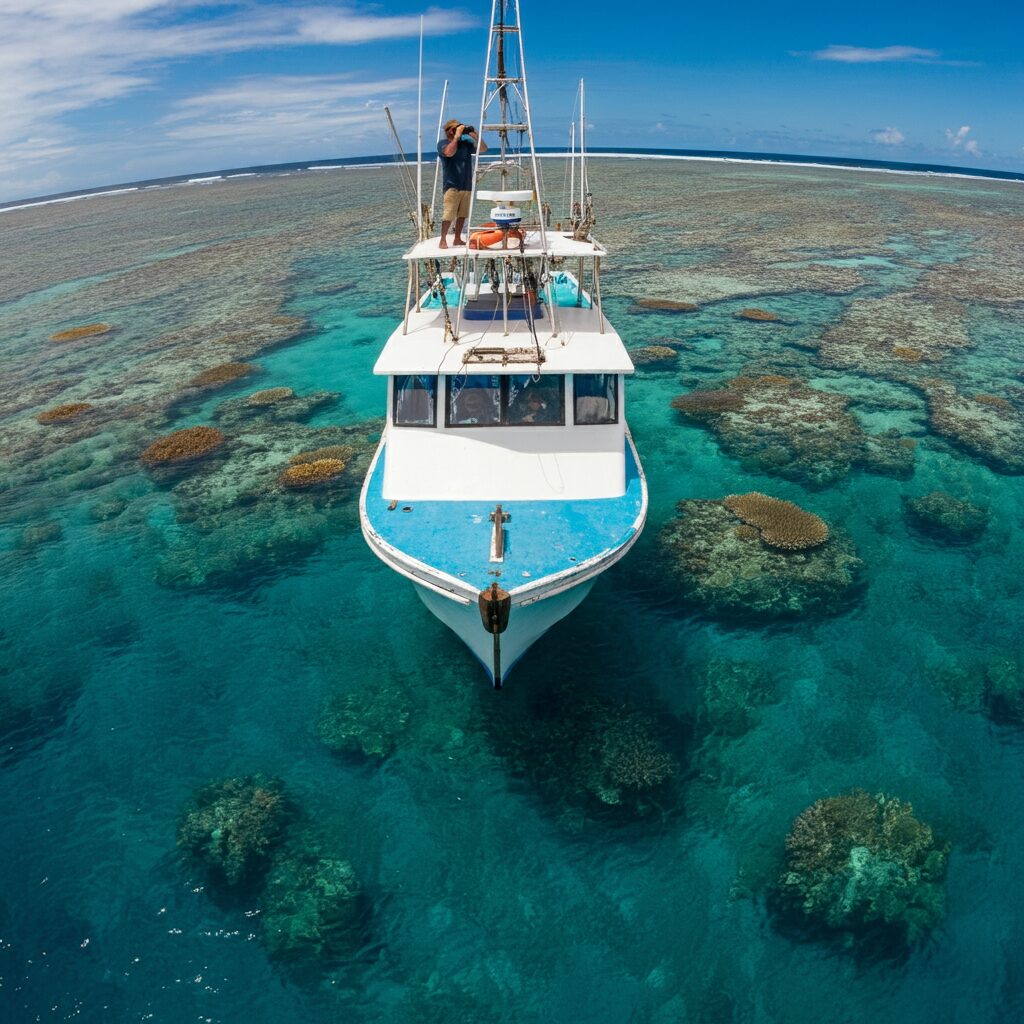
x=444, y=244
x=458, y=241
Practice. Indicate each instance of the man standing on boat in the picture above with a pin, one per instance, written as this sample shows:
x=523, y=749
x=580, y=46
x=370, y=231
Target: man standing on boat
x=456, y=152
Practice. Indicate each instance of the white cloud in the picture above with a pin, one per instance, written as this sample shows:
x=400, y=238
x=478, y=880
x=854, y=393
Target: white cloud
x=61, y=57
x=866, y=55
x=958, y=140
x=290, y=110
x=887, y=136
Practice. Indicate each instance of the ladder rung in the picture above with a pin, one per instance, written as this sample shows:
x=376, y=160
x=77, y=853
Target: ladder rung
x=505, y=127
x=504, y=28
x=506, y=80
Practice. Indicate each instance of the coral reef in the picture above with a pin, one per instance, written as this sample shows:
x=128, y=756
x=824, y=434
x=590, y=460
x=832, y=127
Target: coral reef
x=368, y=722
x=36, y=534
x=731, y=694
x=224, y=373
x=340, y=452
x=780, y=426
x=104, y=511
x=781, y=523
x=580, y=747
x=269, y=396
x=243, y=834
x=663, y=306
x=654, y=357
x=312, y=907
x=63, y=413
x=284, y=406
x=995, y=687
x=85, y=331
x=758, y=315
x=992, y=432
x=887, y=336
x=183, y=446
x=232, y=828
x=947, y=518
x=310, y=474
x=726, y=574
x=856, y=862
x=236, y=525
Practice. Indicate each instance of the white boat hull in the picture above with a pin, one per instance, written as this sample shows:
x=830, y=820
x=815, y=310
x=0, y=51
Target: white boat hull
x=527, y=623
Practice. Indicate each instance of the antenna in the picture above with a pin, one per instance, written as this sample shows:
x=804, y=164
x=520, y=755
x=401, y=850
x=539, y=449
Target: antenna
x=419, y=142
x=437, y=161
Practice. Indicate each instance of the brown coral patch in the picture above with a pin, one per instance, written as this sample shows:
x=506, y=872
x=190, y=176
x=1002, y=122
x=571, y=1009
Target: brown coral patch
x=995, y=402
x=309, y=474
x=85, y=331
x=183, y=446
x=907, y=354
x=63, y=413
x=699, y=404
x=222, y=374
x=781, y=523
x=269, y=396
x=344, y=452
x=758, y=315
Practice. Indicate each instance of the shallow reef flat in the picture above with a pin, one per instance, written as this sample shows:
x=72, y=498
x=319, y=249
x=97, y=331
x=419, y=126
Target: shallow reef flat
x=768, y=771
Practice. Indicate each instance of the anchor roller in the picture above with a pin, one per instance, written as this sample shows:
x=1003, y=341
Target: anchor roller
x=495, y=608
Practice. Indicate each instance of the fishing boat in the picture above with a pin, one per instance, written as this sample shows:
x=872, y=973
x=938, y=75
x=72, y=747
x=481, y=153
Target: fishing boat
x=506, y=480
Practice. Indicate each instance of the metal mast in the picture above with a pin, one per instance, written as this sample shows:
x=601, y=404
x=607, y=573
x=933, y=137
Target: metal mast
x=502, y=93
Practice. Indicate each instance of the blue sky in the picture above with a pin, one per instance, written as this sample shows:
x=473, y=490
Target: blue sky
x=104, y=91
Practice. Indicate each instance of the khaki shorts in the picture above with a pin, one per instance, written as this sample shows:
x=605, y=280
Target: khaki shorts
x=456, y=204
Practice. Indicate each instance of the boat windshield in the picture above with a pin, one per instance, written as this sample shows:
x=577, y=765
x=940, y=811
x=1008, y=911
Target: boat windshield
x=485, y=400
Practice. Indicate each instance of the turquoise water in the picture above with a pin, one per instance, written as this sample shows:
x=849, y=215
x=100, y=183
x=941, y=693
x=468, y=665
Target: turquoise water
x=160, y=631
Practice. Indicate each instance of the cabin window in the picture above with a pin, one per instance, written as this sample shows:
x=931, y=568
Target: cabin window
x=415, y=400
x=535, y=400
x=595, y=398
x=474, y=401
x=515, y=400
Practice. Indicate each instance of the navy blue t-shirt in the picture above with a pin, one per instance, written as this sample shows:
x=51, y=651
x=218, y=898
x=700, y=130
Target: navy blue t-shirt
x=457, y=171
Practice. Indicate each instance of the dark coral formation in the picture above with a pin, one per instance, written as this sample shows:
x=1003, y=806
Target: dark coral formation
x=783, y=427
x=758, y=315
x=858, y=863
x=232, y=828
x=731, y=694
x=582, y=748
x=37, y=534
x=224, y=373
x=85, y=331
x=950, y=519
x=312, y=908
x=995, y=687
x=312, y=473
x=183, y=446
x=726, y=571
x=244, y=834
x=992, y=432
x=663, y=306
x=655, y=357
x=369, y=722
x=781, y=524
x=63, y=413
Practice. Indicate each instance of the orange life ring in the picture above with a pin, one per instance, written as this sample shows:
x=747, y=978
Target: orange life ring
x=485, y=239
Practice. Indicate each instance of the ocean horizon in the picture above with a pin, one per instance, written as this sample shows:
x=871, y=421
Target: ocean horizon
x=723, y=156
